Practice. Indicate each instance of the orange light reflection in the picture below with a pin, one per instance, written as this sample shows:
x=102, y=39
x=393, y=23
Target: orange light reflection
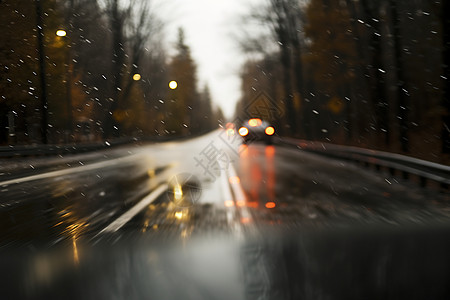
x=229, y=203
x=253, y=204
x=234, y=180
x=245, y=220
x=270, y=204
x=240, y=203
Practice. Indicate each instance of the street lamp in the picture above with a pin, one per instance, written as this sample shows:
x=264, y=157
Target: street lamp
x=61, y=33
x=137, y=77
x=173, y=85
x=41, y=59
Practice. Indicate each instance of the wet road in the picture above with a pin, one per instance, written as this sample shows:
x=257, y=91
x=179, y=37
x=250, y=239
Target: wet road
x=208, y=218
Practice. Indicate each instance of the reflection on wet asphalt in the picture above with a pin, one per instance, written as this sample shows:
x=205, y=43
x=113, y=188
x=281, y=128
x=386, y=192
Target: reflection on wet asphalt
x=311, y=190
x=385, y=263
x=256, y=222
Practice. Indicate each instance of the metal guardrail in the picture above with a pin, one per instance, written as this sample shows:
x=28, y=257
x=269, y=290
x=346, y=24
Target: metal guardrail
x=51, y=150
x=424, y=170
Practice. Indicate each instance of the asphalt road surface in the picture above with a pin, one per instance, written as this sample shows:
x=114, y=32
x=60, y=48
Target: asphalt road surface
x=208, y=218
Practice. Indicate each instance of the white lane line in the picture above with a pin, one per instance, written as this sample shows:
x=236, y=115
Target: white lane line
x=225, y=187
x=84, y=168
x=239, y=195
x=235, y=185
x=228, y=197
x=127, y=216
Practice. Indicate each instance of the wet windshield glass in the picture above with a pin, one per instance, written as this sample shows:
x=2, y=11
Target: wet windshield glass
x=302, y=147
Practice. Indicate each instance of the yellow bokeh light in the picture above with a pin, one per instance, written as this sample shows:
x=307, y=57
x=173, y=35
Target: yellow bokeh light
x=136, y=77
x=61, y=32
x=270, y=130
x=179, y=215
x=178, y=192
x=173, y=85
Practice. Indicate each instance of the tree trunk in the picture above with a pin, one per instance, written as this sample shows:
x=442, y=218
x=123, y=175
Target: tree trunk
x=402, y=93
x=446, y=73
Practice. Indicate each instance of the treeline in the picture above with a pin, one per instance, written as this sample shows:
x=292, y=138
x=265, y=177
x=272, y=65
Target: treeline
x=366, y=73
x=105, y=77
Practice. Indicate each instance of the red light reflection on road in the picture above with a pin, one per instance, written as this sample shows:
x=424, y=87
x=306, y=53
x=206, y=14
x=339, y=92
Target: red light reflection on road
x=270, y=173
x=258, y=175
x=270, y=204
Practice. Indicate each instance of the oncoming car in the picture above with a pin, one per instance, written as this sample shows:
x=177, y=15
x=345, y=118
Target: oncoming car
x=256, y=129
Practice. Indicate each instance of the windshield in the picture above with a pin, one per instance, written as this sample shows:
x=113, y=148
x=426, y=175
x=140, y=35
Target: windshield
x=301, y=146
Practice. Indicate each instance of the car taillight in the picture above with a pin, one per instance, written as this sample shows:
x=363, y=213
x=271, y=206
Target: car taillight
x=270, y=130
x=255, y=122
x=243, y=131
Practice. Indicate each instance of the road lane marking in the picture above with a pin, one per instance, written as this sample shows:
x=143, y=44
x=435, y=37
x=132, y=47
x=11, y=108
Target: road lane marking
x=239, y=195
x=226, y=188
x=127, y=216
x=228, y=198
x=68, y=171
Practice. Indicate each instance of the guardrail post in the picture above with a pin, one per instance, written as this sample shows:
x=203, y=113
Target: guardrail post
x=423, y=181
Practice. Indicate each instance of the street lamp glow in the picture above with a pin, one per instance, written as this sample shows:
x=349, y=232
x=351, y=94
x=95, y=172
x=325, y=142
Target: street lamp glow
x=137, y=77
x=173, y=85
x=61, y=32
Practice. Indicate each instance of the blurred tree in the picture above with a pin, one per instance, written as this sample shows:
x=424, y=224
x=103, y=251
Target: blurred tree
x=371, y=16
x=56, y=49
x=331, y=61
x=19, y=74
x=132, y=25
x=371, y=71
x=445, y=17
x=117, y=14
x=88, y=62
x=154, y=71
x=142, y=28
x=402, y=92
x=91, y=67
x=203, y=116
x=82, y=110
x=262, y=78
x=284, y=19
x=183, y=101
x=219, y=117
x=24, y=57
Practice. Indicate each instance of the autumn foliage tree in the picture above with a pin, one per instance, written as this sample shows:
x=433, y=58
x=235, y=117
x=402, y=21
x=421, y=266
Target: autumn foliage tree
x=182, y=101
x=90, y=91
x=367, y=73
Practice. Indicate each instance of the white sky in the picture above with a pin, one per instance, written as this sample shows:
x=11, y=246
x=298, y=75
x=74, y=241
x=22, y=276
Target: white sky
x=210, y=26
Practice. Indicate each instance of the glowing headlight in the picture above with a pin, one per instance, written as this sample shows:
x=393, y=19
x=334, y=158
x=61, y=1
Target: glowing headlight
x=243, y=131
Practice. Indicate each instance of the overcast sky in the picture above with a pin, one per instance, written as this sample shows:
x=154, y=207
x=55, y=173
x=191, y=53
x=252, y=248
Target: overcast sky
x=210, y=27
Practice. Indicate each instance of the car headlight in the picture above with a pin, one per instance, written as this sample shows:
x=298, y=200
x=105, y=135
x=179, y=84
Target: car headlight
x=270, y=130
x=243, y=131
